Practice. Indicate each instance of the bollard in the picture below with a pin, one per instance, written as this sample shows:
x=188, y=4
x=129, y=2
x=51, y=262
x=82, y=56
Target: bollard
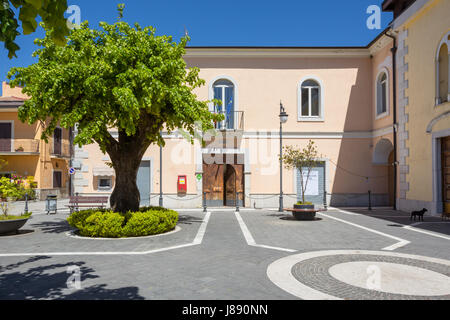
x=237, y=201
x=370, y=200
x=204, y=202
x=26, y=203
x=325, y=200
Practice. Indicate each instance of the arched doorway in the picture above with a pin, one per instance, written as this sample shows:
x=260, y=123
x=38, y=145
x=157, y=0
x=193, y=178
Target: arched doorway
x=391, y=183
x=383, y=155
x=230, y=185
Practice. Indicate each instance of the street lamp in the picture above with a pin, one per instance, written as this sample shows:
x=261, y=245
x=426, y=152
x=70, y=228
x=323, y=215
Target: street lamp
x=283, y=119
x=160, y=174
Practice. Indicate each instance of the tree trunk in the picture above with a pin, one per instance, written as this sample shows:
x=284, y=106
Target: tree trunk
x=126, y=196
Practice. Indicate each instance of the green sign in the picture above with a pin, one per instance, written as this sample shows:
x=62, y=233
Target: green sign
x=199, y=176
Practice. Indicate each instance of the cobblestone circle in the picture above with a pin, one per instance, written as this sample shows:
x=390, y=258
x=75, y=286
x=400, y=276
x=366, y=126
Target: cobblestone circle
x=314, y=273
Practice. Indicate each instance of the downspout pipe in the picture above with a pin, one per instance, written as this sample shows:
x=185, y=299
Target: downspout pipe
x=395, y=124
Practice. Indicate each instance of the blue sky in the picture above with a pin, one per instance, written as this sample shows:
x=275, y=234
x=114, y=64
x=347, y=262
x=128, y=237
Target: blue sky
x=231, y=22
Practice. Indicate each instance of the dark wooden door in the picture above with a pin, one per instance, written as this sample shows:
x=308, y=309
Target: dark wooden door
x=5, y=137
x=446, y=173
x=57, y=179
x=213, y=184
x=57, y=138
x=230, y=185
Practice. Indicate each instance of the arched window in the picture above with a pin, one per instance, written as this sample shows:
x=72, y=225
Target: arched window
x=310, y=104
x=443, y=70
x=224, y=91
x=382, y=93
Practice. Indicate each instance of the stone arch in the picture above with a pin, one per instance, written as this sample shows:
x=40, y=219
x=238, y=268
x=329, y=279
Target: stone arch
x=382, y=151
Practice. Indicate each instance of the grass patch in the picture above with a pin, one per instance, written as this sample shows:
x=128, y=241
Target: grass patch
x=9, y=217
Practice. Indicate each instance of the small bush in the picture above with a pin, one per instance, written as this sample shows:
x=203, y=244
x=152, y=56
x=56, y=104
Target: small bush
x=108, y=224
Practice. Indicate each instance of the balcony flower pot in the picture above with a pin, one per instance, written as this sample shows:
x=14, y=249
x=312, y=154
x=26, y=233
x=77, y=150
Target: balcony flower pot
x=12, y=224
x=307, y=215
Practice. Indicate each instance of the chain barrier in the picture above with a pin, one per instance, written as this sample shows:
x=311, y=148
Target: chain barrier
x=357, y=174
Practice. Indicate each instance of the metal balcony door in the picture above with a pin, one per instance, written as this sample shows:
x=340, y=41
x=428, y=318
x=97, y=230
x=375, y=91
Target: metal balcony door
x=57, y=140
x=5, y=136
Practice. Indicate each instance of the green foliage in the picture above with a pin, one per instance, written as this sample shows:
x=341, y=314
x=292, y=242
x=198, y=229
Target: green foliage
x=103, y=225
x=51, y=12
x=25, y=216
x=304, y=203
x=108, y=224
x=120, y=77
x=302, y=159
x=9, y=188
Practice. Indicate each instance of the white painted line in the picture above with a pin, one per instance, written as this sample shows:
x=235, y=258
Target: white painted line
x=401, y=242
x=251, y=241
x=198, y=240
x=280, y=271
x=202, y=230
x=430, y=233
x=343, y=211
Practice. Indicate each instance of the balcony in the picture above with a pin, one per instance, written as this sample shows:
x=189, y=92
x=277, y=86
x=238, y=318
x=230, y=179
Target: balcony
x=60, y=149
x=19, y=146
x=228, y=132
x=234, y=120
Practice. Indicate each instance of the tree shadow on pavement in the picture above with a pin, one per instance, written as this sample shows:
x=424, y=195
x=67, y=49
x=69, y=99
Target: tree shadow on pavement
x=50, y=283
x=60, y=226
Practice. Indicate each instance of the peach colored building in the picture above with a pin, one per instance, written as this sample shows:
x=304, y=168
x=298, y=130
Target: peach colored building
x=26, y=154
x=341, y=98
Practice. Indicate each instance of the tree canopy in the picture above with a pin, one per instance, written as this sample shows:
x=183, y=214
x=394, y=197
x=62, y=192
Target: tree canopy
x=51, y=12
x=117, y=78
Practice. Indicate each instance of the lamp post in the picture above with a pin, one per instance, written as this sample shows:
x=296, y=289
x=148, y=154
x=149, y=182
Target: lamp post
x=160, y=175
x=283, y=119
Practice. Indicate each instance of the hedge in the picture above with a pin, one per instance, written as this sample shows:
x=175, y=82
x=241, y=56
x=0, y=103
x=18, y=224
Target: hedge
x=98, y=223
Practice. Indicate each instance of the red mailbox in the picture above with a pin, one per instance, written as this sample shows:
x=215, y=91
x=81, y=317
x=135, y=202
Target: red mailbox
x=182, y=184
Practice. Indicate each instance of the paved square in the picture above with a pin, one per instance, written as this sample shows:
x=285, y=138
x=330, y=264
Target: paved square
x=227, y=255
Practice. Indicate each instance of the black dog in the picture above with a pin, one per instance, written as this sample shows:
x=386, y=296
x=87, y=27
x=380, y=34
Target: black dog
x=419, y=214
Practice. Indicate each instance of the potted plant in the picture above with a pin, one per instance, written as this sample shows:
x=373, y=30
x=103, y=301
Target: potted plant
x=10, y=191
x=304, y=160
x=20, y=149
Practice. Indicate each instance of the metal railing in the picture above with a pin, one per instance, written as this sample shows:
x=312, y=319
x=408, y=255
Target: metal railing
x=61, y=149
x=19, y=145
x=234, y=120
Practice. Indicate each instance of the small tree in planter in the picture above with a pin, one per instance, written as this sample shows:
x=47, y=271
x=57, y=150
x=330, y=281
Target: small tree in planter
x=304, y=160
x=10, y=190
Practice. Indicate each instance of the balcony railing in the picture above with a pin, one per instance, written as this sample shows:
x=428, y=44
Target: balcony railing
x=234, y=120
x=60, y=149
x=19, y=146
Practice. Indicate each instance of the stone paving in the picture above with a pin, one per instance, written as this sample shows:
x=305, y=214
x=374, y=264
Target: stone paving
x=222, y=266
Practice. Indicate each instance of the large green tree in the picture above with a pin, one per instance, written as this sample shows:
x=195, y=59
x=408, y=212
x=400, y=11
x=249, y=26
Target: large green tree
x=51, y=12
x=117, y=78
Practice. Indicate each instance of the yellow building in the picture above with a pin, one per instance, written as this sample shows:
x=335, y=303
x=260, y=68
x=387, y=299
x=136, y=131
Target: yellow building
x=422, y=31
x=26, y=154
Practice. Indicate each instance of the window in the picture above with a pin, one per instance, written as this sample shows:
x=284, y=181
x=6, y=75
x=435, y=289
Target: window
x=224, y=92
x=310, y=100
x=104, y=183
x=443, y=89
x=382, y=94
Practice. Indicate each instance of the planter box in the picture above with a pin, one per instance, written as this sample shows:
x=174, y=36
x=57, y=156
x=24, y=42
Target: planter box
x=308, y=215
x=9, y=226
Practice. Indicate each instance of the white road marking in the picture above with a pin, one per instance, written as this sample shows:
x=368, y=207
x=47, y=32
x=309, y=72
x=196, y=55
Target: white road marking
x=251, y=241
x=401, y=242
x=198, y=240
x=343, y=211
x=430, y=233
